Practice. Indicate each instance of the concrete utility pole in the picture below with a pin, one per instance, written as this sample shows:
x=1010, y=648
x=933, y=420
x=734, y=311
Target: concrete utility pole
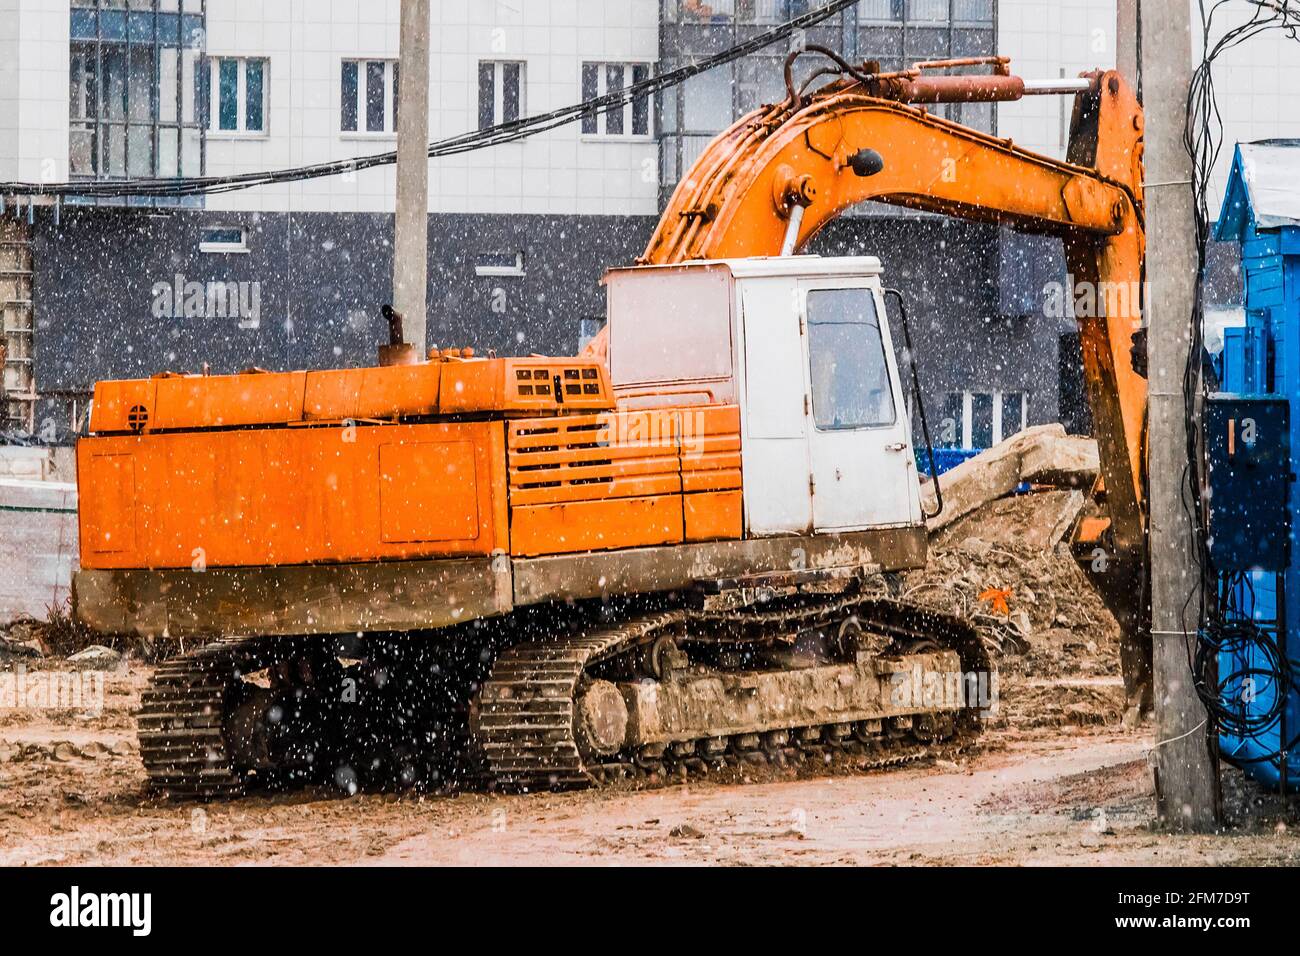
x=411, y=224
x=1187, y=781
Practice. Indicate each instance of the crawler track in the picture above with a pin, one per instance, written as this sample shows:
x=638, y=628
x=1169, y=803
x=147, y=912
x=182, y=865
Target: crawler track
x=522, y=729
x=525, y=717
x=181, y=723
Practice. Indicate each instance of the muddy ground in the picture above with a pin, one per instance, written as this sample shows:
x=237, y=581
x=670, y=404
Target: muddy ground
x=1058, y=777
x=1035, y=791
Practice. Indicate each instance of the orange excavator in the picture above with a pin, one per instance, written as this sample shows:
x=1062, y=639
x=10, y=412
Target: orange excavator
x=672, y=553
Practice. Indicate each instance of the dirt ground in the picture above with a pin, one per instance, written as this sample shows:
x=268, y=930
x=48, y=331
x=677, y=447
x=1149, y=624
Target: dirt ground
x=1035, y=791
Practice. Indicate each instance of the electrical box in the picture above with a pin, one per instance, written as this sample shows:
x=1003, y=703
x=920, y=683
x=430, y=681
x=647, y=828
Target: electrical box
x=1248, y=448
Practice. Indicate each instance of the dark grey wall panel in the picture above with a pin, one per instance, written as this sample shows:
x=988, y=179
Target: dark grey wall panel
x=94, y=287
x=564, y=259
x=320, y=279
x=323, y=277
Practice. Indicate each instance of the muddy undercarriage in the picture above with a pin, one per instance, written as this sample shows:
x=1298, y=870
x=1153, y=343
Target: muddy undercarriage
x=572, y=695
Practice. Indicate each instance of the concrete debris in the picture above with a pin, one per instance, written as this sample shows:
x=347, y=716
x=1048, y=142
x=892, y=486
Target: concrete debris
x=11, y=650
x=96, y=658
x=1066, y=461
x=1044, y=454
x=1006, y=568
x=1038, y=521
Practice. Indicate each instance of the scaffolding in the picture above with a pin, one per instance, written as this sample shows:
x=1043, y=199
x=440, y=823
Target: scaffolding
x=16, y=319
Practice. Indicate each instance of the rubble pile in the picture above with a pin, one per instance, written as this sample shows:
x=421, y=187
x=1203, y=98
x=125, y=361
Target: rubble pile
x=1000, y=557
x=1034, y=608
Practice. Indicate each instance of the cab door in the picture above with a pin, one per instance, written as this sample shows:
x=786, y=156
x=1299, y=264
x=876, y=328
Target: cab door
x=775, y=443
x=859, y=438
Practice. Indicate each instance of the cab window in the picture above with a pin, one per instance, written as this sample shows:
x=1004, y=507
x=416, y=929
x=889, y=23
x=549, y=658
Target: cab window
x=846, y=351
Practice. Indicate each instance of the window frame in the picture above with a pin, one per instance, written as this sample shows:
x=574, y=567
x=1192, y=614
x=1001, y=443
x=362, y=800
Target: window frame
x=389, y=99
x=160, y=131
x=629, y=68
x=223, y=248
x=878, y=311
x=213, y=106
x=499, y=271
x=499, y=91
x=998, y=430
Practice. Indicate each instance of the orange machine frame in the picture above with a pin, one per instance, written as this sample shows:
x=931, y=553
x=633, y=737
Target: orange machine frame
x=794, y=162
x=738, y=198
x=451, y=458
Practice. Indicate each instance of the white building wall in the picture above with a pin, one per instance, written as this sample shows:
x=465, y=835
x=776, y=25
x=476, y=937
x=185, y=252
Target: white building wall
x=559, y=172
x=1258, y=88
x=8, y=89
x=1256, y=82
x=1047, y=41
x=34, y=90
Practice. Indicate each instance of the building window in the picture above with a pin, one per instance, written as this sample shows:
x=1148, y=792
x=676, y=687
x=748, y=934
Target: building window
x=499, y=264
x=972, y=11
x=368, y=96
x=500, y=93
x=237, y=97
x=744, y=11
x=223, y=239
x=979, y=420
x=880, y=11
x=631, y=118
x=927, y=11
x=136, y=83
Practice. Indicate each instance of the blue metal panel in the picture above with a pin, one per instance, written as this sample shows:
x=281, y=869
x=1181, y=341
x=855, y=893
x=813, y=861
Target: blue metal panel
x=1234, y=361
x=1248, y=447
x=1260, y=360
x=945, y=459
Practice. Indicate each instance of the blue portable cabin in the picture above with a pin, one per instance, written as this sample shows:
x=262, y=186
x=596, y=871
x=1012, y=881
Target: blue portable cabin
x=1261, y=212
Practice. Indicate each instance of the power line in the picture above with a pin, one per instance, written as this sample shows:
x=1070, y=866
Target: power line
x=510, y=132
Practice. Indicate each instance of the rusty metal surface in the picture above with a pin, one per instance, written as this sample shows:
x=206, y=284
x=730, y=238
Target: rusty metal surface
x=649, y=570
x=420, y=595
x=314, y=599
x=530, y=718
x=721, y=705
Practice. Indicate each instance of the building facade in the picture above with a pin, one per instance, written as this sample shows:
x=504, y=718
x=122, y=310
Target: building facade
x=293, y=275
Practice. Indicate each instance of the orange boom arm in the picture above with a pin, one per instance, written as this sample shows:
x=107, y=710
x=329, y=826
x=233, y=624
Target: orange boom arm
x=739, y=197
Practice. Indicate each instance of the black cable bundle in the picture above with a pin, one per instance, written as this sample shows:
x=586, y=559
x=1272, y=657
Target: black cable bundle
x=464, y=143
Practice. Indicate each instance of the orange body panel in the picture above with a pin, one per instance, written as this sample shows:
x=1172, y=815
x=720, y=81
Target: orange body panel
x=531, y=386
x=712, y=515
x=292, y=495
x=598, y=524
x=301, y=495
x=360, y=394
x=624, y=479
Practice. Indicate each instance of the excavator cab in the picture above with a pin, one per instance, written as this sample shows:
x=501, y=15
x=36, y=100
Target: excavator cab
x=802, y=345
